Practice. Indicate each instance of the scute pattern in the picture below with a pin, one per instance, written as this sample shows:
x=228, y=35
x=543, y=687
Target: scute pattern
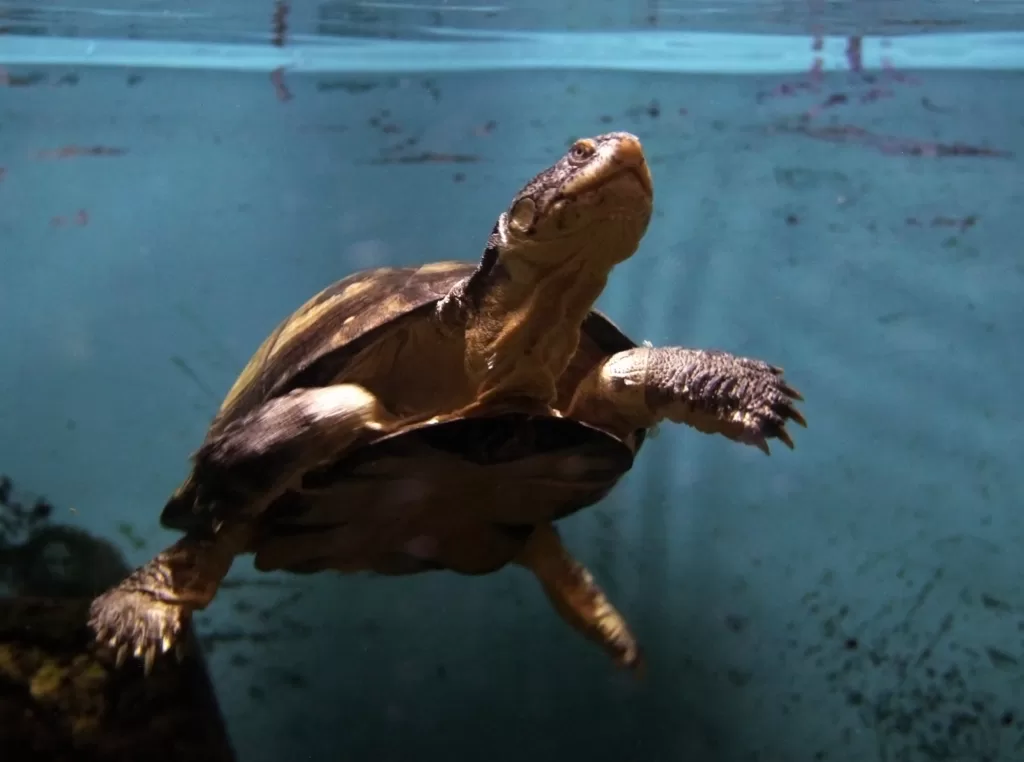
x=331, y=322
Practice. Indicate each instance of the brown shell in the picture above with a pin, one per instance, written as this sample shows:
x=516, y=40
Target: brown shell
x=312, y=346
x=332, y=327
x=347, y=316
x=470, y=487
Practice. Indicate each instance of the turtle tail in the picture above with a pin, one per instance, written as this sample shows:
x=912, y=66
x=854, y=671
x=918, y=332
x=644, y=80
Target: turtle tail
x=149, y=611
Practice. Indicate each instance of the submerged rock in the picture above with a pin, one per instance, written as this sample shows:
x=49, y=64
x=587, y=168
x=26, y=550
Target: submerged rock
x=61, y=695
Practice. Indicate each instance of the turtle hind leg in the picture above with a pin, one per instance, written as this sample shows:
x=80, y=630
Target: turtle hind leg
x=577, y=598
x=148, y=612
x=237, y=473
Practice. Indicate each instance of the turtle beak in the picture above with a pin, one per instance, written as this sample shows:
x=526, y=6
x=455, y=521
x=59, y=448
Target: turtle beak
x=629, y=156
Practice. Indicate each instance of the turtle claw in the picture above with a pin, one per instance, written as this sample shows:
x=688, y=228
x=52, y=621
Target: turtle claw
x=136, y=622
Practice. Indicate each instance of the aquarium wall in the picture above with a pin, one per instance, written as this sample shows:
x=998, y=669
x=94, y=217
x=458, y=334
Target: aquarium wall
x=843, y=204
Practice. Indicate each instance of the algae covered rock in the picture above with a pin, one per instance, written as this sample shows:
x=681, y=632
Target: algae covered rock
x=61, y=695
x=62, y=698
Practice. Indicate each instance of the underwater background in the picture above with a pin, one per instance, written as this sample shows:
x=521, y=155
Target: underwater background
x=838, y=190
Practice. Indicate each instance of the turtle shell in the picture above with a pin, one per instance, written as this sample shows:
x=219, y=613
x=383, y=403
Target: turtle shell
x=312, y=347
x=460, y=495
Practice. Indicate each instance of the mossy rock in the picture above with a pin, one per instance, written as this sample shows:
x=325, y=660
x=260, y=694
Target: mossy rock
x=63, y=698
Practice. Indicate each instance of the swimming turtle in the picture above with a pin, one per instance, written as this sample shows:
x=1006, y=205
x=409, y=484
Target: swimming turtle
x=446, y=416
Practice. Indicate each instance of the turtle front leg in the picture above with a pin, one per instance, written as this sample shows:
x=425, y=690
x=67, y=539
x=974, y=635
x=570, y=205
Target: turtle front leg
x=577, y=597
x=241, y=470
x=237, y=473
x=715, y=392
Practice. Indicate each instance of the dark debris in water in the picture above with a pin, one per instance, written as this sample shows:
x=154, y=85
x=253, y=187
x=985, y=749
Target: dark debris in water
x=920, y=693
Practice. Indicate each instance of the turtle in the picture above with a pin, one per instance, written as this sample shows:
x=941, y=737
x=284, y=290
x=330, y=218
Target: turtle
x=445, y=417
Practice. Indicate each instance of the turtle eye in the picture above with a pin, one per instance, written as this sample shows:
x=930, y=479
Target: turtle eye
x=521, y=215
x=581, y=150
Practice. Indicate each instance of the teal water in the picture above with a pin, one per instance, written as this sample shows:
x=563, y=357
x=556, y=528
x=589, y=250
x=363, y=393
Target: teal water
x=461, y=50
x=847, y=207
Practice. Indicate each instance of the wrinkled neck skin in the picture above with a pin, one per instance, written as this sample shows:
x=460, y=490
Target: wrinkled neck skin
x=525, y=326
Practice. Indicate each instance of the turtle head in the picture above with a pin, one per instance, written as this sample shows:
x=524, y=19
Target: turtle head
x=588, y=211
x=546, y=263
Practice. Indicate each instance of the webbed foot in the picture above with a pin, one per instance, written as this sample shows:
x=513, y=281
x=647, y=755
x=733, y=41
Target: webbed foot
x=148, y=613
x=137, y=622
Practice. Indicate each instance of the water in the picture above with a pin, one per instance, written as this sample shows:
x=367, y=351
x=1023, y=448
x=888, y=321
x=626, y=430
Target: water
x=847, y=208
